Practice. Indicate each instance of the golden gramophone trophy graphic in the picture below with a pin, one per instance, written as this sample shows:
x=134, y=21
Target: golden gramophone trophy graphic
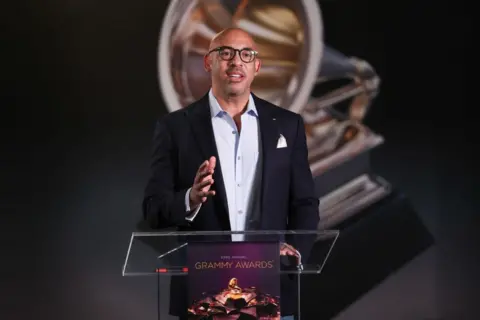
x=299, y=72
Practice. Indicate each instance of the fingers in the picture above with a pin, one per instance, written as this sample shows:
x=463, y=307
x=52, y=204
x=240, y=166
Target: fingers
x=288, y=250
x=288, y=253
x=206, y=168
x=212, y=163
x=203, y=180
x=203, y=166
x=201, y=170
x=205, y=194
x=202, y=190
x=203, y=184
x=202, y=175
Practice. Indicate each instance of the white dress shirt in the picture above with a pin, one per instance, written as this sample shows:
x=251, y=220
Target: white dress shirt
x=239, y=158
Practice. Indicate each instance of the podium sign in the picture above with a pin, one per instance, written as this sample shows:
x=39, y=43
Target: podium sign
x=214, y=275
x=234, y=278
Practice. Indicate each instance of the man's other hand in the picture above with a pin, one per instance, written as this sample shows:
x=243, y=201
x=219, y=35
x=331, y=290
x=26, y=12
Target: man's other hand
x=288, y=250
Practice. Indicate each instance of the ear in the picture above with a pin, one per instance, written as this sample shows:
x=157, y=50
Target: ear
x=258, y=63
x=207, y=63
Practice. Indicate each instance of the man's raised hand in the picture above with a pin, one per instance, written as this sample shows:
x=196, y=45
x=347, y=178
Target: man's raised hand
x=202, y=183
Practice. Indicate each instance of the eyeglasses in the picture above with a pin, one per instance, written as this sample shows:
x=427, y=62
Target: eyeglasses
x=228, y=53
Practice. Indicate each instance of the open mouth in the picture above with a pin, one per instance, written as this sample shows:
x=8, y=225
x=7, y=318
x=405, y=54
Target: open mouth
x=235, y=76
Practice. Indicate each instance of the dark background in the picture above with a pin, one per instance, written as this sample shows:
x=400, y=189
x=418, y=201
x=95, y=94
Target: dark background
x=81, y=97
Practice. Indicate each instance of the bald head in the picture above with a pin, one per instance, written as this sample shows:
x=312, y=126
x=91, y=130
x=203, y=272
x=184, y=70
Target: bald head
x=227, y=35
x=233, y=72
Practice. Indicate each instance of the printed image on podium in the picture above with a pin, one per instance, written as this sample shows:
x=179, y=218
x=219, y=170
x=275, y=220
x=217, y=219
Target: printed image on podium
x=234, y=280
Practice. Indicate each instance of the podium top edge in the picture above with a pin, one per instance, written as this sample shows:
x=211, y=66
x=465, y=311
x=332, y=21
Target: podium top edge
x=226, y=233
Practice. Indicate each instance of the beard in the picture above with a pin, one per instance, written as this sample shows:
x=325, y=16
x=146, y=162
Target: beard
x=234, y=92
x=235, y=89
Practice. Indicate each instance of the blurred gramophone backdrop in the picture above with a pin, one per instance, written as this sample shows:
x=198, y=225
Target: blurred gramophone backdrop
x=380, y=86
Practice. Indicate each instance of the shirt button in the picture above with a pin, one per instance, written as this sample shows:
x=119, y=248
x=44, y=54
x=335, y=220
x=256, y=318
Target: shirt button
x=238, y=184
x=240, y=211
x=238, y=158
x=234, y=132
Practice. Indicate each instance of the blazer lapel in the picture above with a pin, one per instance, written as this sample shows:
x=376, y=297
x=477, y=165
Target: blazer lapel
x=269, y=136
x=201, y=122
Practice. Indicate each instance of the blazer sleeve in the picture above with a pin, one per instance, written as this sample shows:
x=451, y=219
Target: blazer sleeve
x=304, y=214
x=163, y=204
x=304, y=204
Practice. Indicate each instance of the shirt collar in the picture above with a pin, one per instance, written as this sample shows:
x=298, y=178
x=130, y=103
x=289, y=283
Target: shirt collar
x=217, y=111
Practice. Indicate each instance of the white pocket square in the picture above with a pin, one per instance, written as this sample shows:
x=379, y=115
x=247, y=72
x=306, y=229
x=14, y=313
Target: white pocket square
x=282, y=142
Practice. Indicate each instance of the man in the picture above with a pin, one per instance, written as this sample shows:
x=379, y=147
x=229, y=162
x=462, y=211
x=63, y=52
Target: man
x=232, y=161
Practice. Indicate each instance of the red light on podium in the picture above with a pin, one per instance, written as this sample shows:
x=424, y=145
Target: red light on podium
x=165, y=270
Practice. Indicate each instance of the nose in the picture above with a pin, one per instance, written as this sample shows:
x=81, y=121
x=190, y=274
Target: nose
x=236, y=59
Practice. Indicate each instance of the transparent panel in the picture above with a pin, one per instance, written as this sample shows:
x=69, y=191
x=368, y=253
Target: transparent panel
x=165, y=253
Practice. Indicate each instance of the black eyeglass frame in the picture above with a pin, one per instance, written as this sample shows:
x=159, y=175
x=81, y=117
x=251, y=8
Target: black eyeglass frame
x=218, y=49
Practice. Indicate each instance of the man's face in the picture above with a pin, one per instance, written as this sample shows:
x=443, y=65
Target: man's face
x=233, y=76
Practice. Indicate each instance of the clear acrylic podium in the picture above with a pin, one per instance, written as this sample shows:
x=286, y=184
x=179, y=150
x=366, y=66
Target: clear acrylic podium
x=164, y=257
